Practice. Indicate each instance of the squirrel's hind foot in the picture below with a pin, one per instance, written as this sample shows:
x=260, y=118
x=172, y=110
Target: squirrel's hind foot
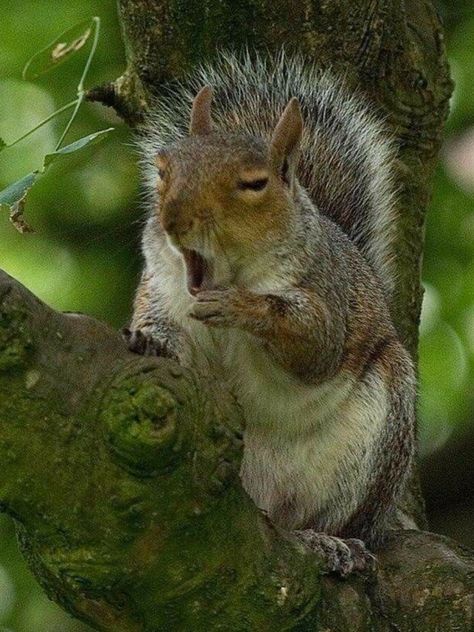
x=339, y=556
x=145, y=344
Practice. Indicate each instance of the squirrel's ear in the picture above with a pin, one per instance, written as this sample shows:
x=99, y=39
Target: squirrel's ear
x=286, y=139
x=201, y=122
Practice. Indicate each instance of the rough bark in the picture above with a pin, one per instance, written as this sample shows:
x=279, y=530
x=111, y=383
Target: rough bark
x=121, y=472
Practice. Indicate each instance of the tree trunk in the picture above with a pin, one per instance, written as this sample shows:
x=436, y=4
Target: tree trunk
x=122, y=472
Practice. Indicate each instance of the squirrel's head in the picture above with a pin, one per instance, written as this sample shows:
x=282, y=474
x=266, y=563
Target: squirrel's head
x=224, y=198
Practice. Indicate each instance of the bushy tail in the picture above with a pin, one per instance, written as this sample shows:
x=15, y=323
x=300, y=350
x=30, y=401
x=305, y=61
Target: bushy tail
x=347, y=158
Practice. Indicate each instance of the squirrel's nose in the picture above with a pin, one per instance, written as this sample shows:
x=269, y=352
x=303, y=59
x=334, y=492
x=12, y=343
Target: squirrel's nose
x=177, y=227
x=173, y=221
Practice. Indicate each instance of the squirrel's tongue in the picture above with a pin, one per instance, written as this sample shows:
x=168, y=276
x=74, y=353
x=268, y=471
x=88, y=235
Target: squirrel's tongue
x=198, y=272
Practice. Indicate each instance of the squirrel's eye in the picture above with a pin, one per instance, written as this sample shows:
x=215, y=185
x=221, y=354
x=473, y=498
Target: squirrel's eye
x=161, y=174
x=252, y=185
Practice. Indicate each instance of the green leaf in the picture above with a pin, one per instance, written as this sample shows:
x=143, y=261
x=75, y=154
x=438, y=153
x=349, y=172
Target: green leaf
x=58, y=51
x=17, y=191
x=2, y=144
x=78, y=145
x=14, y=196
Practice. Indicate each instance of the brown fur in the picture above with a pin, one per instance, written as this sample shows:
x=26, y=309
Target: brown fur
x=323, y=311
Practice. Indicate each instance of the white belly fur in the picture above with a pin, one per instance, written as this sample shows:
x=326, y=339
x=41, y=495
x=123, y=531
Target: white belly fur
x=307, y=448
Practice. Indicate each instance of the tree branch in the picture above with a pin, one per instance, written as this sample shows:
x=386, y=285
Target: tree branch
x=122, y=475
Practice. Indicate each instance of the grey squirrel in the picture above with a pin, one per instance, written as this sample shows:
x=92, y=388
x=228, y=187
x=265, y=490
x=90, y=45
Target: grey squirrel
x=269, y=246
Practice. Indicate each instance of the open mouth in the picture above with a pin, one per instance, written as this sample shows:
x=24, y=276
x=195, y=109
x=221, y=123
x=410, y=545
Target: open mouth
x=198, y=272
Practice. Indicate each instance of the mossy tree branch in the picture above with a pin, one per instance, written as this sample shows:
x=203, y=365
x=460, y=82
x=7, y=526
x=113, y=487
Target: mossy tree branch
x=121, y=472
x=122, y=476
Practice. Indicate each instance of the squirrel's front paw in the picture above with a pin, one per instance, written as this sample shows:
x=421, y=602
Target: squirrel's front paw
x=340, y=556
x=218, y=308
x=144, y=344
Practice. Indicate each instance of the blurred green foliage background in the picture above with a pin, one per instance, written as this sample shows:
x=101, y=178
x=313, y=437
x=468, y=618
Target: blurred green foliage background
x=84, y=255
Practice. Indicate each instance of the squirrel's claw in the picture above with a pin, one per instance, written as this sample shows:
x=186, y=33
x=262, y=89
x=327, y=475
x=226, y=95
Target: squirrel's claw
x=144, y=343
x=215, y=308
x=363, y=559
x=339, y=556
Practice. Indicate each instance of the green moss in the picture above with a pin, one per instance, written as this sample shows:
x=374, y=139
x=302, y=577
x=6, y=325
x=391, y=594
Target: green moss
x=140, y=419
x=15, y=341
